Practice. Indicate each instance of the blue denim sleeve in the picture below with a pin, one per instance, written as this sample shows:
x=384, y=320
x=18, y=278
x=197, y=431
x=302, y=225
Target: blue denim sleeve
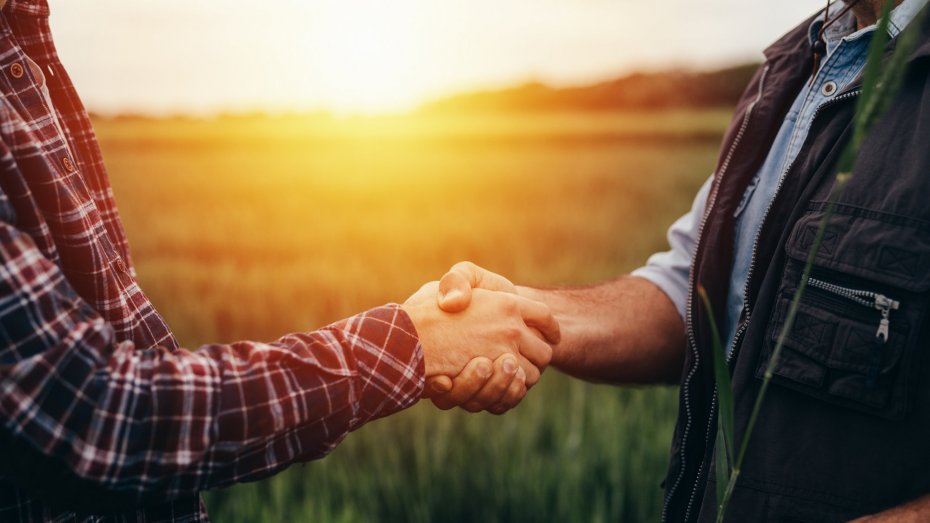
x=670, y=270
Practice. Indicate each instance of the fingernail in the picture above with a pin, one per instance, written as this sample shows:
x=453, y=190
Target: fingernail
x=438, y=387
x=521, y=373
x=483, y=370
x=451, y=295
x=510, y=365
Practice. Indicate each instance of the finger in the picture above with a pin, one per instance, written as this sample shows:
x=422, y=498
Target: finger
x=454, y=292
x=531, y=372
x=505, y=369
x=466, y=384
x=514, y=395
x=538, y=315
x=436, y=386
x=538, y=352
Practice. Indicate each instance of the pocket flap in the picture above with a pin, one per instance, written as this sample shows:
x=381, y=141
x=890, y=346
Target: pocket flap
x=885, y=248
x=838, y=342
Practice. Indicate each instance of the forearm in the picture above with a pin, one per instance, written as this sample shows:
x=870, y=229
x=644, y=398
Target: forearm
x=113, y=426
x=624, y=331
x=916, y=511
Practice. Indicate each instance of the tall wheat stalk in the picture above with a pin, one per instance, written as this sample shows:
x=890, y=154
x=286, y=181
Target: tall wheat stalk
x=881, y=81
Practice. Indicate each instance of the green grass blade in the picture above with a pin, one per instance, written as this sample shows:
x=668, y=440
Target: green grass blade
x=722, y=379
x=724, y=451
x=723, y=468
x=891, y=77
x=873, y=65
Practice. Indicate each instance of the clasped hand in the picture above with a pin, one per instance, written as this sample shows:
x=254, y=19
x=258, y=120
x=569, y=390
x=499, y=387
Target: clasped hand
x=483, y=348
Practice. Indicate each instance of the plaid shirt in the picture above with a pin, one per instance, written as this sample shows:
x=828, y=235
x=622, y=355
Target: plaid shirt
x=100, y=410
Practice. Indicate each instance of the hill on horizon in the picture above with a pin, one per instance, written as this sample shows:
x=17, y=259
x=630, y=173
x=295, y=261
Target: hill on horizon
x=675, y=89
x=653, y=91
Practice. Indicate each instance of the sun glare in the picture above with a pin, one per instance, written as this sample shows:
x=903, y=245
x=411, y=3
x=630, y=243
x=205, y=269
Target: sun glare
x=367, y=56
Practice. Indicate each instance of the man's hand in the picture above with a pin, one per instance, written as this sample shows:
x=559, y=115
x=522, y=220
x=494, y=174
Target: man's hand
x=495, y=326
x=455, y=296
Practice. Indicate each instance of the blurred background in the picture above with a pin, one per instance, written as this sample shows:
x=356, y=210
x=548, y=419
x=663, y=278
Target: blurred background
x=283, y=164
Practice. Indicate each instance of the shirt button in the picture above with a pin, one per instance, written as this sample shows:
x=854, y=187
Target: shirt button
x=16, y=70
x=67, y=164
x=828, y=89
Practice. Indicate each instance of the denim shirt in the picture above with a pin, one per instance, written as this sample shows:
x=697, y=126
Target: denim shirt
x=846, y=56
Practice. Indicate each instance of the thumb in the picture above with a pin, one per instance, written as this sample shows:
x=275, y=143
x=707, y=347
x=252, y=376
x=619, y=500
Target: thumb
x=454, y=292
x=455, y=287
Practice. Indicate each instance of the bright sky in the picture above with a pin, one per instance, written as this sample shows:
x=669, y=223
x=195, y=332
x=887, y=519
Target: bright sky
x=351, y=56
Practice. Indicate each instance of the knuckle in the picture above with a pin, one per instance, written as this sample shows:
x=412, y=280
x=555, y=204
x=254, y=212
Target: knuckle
x=466, y=268
x=499, y=410
x=442, y=404
x=500, y=387
x=511, y=306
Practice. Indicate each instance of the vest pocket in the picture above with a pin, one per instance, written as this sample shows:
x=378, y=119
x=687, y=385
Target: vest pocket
x=856, y=329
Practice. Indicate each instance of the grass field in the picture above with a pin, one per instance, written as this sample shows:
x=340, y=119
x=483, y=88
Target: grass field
x=247, y=228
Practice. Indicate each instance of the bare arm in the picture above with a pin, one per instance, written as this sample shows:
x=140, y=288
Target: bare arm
x=913, y=512
x=623, y=331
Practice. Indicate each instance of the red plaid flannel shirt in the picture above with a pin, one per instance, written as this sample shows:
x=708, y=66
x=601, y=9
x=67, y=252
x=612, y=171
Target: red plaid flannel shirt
x=100, y=410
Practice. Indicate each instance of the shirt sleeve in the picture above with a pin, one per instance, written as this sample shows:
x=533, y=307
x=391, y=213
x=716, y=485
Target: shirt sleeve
x=89, y=420
x=670, y=270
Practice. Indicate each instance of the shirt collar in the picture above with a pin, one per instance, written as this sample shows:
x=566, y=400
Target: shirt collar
x=845, y=27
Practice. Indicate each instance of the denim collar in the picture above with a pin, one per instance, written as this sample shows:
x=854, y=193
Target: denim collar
x=845, y=27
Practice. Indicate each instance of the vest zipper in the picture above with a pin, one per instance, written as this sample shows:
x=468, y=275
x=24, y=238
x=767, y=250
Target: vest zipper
x=873, y=300
x=755, y=246
x=692, y=343
x=741, y=330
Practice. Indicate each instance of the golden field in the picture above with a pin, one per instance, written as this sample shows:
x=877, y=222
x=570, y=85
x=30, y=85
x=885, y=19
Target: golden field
x=253, y=227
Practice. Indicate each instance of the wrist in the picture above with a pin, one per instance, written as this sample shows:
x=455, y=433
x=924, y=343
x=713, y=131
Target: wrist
x=424, y=318
x=552, y=299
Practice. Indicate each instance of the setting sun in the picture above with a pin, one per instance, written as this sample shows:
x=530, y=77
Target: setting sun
x=367, y=56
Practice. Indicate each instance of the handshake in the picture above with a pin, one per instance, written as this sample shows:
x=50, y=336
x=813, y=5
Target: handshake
x=484, y=345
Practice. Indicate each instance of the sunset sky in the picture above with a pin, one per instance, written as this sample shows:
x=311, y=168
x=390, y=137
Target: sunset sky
x=369, y=56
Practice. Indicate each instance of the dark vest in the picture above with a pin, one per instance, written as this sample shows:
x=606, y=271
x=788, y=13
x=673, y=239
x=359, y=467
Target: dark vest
x=844, y=430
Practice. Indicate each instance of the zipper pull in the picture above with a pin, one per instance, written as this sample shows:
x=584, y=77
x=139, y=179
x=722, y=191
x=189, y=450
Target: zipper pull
x=882, y=333
x=885, y=305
